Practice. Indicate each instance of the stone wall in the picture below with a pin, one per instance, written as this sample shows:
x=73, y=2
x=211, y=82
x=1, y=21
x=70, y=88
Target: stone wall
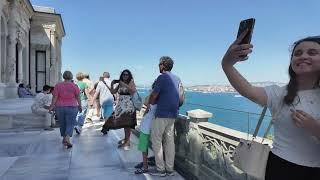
x=204, y=150
x=200, y=158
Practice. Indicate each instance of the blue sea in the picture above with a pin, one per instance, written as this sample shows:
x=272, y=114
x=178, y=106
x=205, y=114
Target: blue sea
x=229, y=109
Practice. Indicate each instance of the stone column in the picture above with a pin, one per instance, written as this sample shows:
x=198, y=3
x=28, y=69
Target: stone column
x=59, y=74
x=26, y=64
x=1, y=5
x=11, y=89
x=48, y=64
x=33, y=67
x=2, y=50
x=20, y=65
x=2, y=86
x=12, y=40
x=1, y=60
x=53, y=64
x=11, y=66
x=4, y=56
x=28, y=59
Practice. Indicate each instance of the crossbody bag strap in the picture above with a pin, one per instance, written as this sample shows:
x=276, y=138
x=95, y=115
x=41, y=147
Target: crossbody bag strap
x=267, y=131
x=263, y=113
x=106, y=85
x=271, y=122
x=114, y=98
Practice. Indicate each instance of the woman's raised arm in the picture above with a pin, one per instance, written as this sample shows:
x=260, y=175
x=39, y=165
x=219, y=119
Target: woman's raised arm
x=114, y=90
x=239, y=52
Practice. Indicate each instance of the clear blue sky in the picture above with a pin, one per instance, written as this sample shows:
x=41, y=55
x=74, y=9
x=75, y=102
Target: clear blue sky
x=111, y=35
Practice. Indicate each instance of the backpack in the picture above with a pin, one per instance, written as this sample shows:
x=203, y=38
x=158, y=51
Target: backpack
x=181, y=94
x=82, y=92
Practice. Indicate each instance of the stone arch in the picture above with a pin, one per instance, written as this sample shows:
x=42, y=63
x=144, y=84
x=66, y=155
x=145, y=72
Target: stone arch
x=3, y=46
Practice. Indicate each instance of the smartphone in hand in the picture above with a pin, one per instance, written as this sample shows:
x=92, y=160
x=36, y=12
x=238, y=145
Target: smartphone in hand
x=246, y=24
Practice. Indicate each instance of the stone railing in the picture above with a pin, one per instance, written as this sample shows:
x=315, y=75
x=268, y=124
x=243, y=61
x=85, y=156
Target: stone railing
x=204, y=150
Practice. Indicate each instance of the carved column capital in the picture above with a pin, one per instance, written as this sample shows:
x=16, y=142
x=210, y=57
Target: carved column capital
x=52, y=27
x=20, y=45
x=12, y=39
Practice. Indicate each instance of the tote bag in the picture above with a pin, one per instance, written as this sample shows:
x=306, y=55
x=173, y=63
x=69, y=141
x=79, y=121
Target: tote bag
x=251, y=156
x=181, y=94
x=137, y=101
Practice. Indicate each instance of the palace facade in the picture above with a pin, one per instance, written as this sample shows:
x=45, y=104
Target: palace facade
x=30, y=46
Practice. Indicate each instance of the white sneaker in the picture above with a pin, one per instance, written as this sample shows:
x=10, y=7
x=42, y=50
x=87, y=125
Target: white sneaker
x=170, y=173
x=155, y=172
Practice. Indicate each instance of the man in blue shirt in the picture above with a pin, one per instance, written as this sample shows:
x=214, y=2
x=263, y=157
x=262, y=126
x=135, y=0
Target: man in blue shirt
x=166, y=95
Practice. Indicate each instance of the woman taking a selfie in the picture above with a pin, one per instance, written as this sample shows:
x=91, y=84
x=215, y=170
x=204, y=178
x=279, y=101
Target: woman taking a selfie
x=124, y=115
x=294, y=107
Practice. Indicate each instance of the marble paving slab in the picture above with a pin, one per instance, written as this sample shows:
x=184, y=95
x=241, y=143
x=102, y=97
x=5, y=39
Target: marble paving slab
x=39, y=155
x=6, y=163
x=39, y=167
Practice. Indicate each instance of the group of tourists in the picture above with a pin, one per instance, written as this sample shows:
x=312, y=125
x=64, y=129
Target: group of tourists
x=75, y=103
x=294, y=108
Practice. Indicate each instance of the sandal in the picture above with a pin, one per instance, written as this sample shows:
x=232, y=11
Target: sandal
x=141, y=171
x=124, y=145
x=104, y=130
x=139, y=165
x=64, y=142
x=151, y=162
x=67, y=142
x=69, y=145
x=121, y=142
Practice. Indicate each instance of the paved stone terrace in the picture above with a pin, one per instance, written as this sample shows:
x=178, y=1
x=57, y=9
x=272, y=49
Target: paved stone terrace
x=39, y=155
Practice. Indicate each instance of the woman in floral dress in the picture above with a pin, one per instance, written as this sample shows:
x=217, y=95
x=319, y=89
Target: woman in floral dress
x=124, y=115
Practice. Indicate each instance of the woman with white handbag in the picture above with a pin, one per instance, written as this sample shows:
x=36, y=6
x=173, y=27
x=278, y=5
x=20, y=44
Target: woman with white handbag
x=296, y=145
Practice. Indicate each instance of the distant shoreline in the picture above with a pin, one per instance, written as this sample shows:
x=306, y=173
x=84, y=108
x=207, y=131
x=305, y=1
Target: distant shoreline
x=221, y=88
x=227, y=88
x=210, y=92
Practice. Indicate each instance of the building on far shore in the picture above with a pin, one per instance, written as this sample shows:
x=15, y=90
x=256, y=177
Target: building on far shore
x=30, y=46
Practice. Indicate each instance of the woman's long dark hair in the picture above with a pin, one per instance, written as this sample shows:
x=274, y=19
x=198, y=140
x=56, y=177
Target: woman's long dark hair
x=129, y=78
x=292, y=86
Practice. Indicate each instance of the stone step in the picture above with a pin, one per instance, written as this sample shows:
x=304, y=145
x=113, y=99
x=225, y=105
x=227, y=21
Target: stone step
x=16, y=113
x=12, y=121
